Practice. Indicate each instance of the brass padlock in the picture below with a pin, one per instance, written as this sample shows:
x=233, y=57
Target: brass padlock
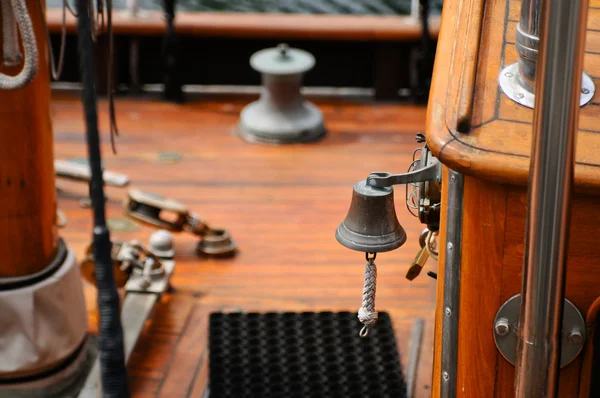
x=417, y=264
x=421, y=258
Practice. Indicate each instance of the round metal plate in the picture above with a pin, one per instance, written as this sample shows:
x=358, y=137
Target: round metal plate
x=282, y=60
x=507, y=344
x=510, y=85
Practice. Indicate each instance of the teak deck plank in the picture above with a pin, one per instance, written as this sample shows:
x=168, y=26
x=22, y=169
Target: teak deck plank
x=281, y=203
x=498, y=143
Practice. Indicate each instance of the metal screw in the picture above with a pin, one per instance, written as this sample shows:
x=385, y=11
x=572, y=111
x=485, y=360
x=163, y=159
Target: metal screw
x=283, y=50
x=585, y=90
x=502, y=327
x=508, y=74
x=448, y=311
x=445, y=376
x=520, y=95
x=450, y=246
x=575, y=337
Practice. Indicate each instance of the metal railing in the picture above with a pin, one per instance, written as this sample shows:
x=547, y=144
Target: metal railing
x=562, y=29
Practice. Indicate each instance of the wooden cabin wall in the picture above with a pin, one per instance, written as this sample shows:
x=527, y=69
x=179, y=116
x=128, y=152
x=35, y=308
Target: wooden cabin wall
x=28, y=236
x=493, y=237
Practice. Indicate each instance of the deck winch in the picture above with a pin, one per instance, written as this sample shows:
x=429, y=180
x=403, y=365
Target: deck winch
x=281, y=115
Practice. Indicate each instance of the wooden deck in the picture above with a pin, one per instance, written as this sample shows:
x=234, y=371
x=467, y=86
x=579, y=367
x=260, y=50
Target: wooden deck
x=281, y=203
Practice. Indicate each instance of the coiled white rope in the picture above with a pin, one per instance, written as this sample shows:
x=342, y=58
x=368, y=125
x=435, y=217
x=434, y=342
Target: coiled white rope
x=17, y=10
x=367, y=314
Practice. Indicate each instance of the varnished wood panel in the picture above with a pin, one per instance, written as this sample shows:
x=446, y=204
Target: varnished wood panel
x=281, y=203
x=497, y=146
x=482, y=253
x=28, y=237
x=265, y=25
x=493, y=239
x=583, y=272
x=480, y=285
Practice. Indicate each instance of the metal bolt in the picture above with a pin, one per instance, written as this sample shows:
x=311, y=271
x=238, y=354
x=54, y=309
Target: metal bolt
x=502, y=327
x=585, y=90
x=445, y=376
x=450, y=246
x=161, y=240
x=283, y=50
x=520, y=95
x=508, y=74
x=448, y=311
x=575, y=337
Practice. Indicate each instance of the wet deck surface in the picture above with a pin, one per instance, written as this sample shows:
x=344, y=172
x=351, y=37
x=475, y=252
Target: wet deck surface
x=282, y=204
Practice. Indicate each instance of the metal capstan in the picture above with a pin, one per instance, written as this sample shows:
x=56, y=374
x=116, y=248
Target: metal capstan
x=281, y=115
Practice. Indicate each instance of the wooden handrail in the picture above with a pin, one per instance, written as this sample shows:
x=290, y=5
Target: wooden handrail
x=269, y=25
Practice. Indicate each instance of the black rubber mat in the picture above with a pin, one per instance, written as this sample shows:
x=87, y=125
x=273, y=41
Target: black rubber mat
x=304, y=354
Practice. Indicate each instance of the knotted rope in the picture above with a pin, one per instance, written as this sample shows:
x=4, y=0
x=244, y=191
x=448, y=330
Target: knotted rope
x=367, y=314
x=17, y=10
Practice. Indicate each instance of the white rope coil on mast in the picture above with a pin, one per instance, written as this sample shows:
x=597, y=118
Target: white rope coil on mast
x=10, y=45
x=16, y=10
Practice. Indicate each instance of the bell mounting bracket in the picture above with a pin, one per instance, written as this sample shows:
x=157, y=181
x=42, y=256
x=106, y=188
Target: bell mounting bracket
x=426, y=176
x=431, y=172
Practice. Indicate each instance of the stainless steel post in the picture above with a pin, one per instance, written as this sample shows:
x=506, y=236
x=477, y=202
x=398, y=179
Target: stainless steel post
x=517, y=80
x=527, y=43
x=562, y=38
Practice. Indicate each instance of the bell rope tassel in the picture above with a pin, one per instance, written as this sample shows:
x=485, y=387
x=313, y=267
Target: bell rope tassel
x=367, y=314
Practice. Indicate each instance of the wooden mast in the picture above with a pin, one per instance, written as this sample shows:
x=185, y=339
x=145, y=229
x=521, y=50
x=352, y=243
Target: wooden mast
x=28, y=234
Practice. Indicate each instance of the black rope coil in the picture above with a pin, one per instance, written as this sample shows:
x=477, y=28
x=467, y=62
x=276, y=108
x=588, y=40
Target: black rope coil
x=110, y=331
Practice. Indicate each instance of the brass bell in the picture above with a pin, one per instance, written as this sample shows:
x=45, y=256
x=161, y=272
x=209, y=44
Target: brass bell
x=371, y=225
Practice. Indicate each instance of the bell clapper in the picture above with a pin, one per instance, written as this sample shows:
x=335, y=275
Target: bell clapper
x=367, y=314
